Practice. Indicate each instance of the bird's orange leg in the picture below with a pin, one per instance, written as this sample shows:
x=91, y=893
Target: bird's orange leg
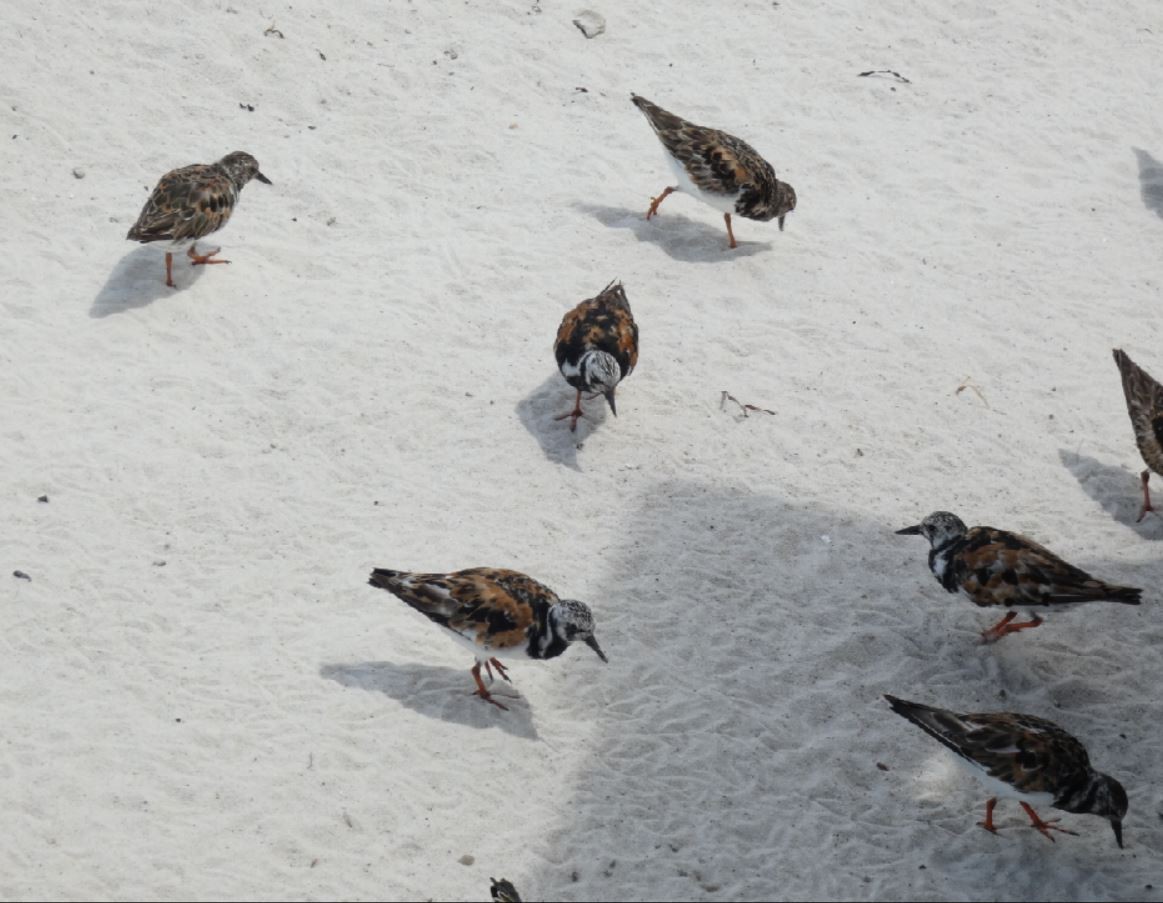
x=196, y=258
x=481, y=691
x=730, y=232
x=501, y=669
x=170, y=271
x=654, y=202
x=574, y=414
x=1146, y=475
x=988, y=823
x=1002, y=627
x=1045, y=827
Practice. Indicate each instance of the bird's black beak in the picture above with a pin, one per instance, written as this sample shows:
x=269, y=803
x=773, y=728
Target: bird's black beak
x=610, y=399
x=593, y=644
x=262, y=178
x=782, y=217
x=914, y=530
x=1118, y=826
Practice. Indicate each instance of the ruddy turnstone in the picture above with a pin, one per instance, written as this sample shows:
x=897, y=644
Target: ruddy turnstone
x=996, y=567
x=504, y=892
x=190, y=203
x=494, y=611
x=1023, y=757
x=720, y=170
x=1145, y=404
x=597, y=347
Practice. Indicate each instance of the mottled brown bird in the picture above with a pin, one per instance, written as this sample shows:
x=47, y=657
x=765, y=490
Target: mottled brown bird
x=1145, y=405
x=998, y=568
x=494, y=611
x=190, y=203
x=719, y=169
x=503, y=891
x=597, y=347
x=1023, y=757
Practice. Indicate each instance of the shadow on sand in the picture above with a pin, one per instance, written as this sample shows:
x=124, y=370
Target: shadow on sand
x=1150, y=181
x=139, y=279
x=538, y=410
x=441, y=693
x=683, y=239
x=1116, y=489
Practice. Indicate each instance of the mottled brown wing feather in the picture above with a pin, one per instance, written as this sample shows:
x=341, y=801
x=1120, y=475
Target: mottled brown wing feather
x=1002, y=568
x=604, y=323
x=1145, y=405
x=1027, y=752
x=717, y=162
x=188, y=203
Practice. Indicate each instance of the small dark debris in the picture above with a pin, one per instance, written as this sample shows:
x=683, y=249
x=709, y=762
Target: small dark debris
x=314, y=862
x=574, y=876
x=922, y=867
x=273, y=31
x=376, y=502
x=312, y=127
x=159, y=563
x=891, y=72
x=859, y=453
x=246, y=106
x=178, y=720
x=21, y=575
x=884, y=767
x=332, y=221
x=581, y=90
x=1124, y=736
x=43, y=499
x=727, y=396
x=323, y=57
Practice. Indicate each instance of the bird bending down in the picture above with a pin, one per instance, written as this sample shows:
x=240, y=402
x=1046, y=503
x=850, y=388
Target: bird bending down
x=1145, y=405
x=998, y=568
x=597, y=347
x=1023, y=757
x=719, y=169
x=494, y=611
x=190, y=203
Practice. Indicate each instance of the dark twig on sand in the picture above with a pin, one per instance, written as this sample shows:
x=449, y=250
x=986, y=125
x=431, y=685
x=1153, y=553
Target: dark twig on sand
x=891, y=72
x=727, y=396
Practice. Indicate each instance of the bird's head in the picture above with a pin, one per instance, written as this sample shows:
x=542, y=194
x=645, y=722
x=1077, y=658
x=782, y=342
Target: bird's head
x=573, y=621
x=600, y=374
x=241, y=167
x=939, y=528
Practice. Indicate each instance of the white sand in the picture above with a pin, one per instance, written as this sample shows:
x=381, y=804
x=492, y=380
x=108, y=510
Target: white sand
x=371, y=383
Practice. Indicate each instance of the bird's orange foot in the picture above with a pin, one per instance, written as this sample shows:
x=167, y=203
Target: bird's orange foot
x=573, y=415
x=1045, y=827
x=488, y=697
x=501, y=669
x=988, y=823
x=196, y=258
x=481, y=691
x=1003, y=627
x=654, y=202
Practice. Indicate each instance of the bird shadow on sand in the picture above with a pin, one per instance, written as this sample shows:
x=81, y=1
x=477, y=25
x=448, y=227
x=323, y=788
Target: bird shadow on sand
x=1116, y=489
x=751, y=637
x=684, y=239
x=1150, y=181
x=139, y=279
x=441, y=693
x=538, y=410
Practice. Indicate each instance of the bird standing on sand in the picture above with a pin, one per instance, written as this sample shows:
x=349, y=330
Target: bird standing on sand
x=1023, y=757
x=597, y=347
x=1145, y=405
x=998, y=568
x=719, y=169
x=494, y=611
x=190, y=203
